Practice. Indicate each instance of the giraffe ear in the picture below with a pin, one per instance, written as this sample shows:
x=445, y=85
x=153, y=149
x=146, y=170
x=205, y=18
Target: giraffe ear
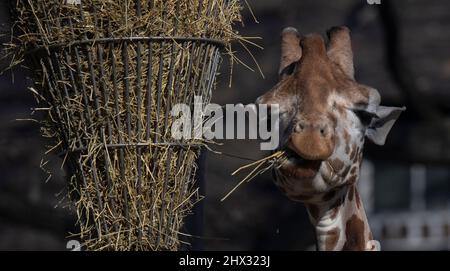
x=291, y=52
x=340, y=49
x=382, y=123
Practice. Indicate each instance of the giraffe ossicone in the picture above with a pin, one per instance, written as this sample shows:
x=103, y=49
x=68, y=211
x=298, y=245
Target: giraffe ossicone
x=325, y=117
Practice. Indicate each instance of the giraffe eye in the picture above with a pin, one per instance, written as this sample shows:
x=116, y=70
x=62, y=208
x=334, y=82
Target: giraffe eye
x=282, y=114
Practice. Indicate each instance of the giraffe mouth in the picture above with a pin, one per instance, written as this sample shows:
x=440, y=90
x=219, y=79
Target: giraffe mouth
x=294, y=157
x=299, y=167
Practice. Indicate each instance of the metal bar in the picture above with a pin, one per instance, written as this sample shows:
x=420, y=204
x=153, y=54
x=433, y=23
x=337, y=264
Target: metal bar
x=144, y=145
x=189, y=72
x=163, y=194
x=200, y=7
x=169, y=86
x=80, y=79
x=148, y=109
x=176, y=88
x=119, y=125
x=156, y=39
x=55, y=91
x=59, y=73
x=126, y=83
x=202, y=60
x=93, y=130
x=138, y=127
x=83, y=88
x=168, y=93
x=74, y=88
x=148, y=95
x=159, y=90
x=103, y=91
x=194, y=222
x=158, y=104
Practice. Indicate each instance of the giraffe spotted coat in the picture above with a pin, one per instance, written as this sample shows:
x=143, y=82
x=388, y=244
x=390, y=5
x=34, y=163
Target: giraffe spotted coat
x=325, y=117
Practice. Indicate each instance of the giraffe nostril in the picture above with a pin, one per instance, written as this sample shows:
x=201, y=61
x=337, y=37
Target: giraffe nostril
x=299, y=127
x=322, y=131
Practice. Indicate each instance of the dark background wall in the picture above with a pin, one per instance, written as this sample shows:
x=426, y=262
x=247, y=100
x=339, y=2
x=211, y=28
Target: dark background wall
x=401, y=49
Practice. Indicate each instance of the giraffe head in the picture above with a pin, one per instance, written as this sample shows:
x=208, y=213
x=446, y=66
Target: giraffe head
x=325, y=115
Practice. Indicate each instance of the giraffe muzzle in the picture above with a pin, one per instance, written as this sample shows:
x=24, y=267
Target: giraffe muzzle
x=312, y=143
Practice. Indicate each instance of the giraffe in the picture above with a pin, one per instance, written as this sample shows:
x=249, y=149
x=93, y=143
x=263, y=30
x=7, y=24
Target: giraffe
x=325, y=117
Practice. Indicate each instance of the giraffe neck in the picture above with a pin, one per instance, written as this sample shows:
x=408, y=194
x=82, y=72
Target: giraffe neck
x=341, y=222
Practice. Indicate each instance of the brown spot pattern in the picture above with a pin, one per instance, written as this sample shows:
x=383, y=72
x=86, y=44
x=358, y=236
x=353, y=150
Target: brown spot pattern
x=332, y=238
x=351, y=192
x=356, y=158
x=353, y=153
x=360, y=157
x=311, y=83
x=352, y=179
x=358, y=199
x=347, y=149
x=347, y=141
x=335, y=212
x=337, y=164
x=346, y=170
x=354, y=233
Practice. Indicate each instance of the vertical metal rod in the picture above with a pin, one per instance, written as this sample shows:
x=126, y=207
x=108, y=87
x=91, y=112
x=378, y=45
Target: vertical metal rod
x=194, y=222
x=119, y=126
x=56, y=96
x=94, y=131
x=138, y=127
x=148, y=97
x=180, y=74
x=148, y=109
x=169, y=86
x=163, y=195
x=128, y=121
x=159, y=90
x=73, y=83
x=189, y=72
x=158, y=108
x=104, y=91
x=126, y=83
x=158, y=101
x=169, y=93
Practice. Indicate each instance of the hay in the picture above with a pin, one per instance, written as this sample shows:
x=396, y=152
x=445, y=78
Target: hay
x=109, y=102
x=258, y=167
x=49, y=22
